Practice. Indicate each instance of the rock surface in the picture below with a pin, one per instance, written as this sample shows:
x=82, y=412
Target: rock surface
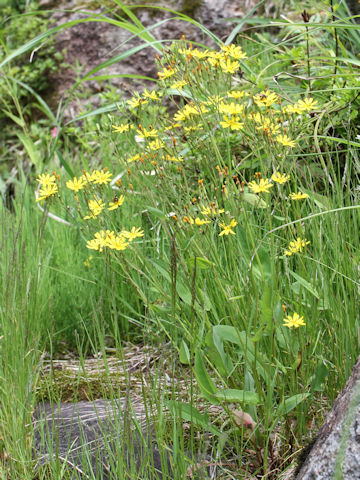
x=89, y=44
x=92, y=436
x=337, y=447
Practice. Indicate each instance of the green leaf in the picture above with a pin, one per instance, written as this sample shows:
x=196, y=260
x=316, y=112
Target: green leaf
x=226, y=360
x=305, y=284
x=292, y=402
x=30, y=149
x=202, y=263
x=158, y=213
x=242, y=396
x=254, y=200
x=191, y=414
x=258, y=362
x=266, y=318
x=321, y=373
x=19, y=121
x=65, y=164
x=184, y=292
x=160, y=268
x=184, y=354
x=206, y=384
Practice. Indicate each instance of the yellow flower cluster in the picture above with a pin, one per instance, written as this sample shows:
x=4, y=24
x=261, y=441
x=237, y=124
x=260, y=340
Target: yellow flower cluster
x=300, y=107
x=296, y=246
x=97, y=177
x=108, y=239
x=48, y=186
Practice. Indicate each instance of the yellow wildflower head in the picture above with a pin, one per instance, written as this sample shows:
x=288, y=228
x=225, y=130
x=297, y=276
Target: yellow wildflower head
x=294, y=321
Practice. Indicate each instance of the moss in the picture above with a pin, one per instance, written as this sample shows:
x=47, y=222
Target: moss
x=67, y=386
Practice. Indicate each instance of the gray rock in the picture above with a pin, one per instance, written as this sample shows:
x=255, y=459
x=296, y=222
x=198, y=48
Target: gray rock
x=336, y=452
x=94, y=437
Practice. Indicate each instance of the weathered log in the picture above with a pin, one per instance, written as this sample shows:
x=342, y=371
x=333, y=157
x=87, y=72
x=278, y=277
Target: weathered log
x=336, y=452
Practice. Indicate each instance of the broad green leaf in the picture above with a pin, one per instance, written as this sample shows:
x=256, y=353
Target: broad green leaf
x=184, y=292
x=258, y=362
x=242, y=396
x=321, y=373
x=206, y=384
x=191, y=414
x=292, y=402
x=158, y=213
x=184, y=353
x=266, y=318
x=305, y=284
x=202, y=263
x=30, y=147
x=160, y=268
x=254, y=200
x=226, y=360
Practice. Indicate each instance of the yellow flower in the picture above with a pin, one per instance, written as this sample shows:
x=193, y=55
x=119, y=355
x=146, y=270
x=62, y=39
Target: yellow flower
x=199, y=222
x=231, y=108
x=194, y=52
x=76, y=184
x=266, y=125
x=294, y=321
x=124, y=127
x=193, y=128
x=298, y=196
x=235, y=51
x=167, y=72
x=156, y=145
x=178, y=85
x=153, y=95
x=134, y=158
x=280, y=178
x=96, y=207
x=117, y=242
x=136, y=101
x=143, y=133
x=213, y=100
x=46, y=179
x=266, y=98
x=211, y=211
x=101, y=177
x=263, y=186
x=233, y=122
x=296, y=246
x=116, y=203
x=100, y=240
x=285, y=140
x=289, y=109
x=47, y=190
x=307, y=104
x=237, y=94
x=227, y=66
x=171, y=158
x=188, y=220
x=87, y=262
x=227, y=229
x=135, y=232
